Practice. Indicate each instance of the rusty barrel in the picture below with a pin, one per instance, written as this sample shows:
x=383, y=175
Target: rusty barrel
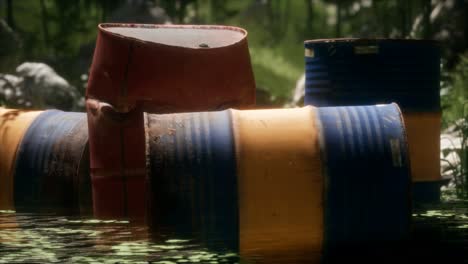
x=158, y=69
x=13, y=125
x=307, y=181
x=52, y=166
x=346, y=72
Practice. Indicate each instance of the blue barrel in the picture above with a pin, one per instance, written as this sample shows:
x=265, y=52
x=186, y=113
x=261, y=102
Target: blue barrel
x=212, y=172
x=368, y=181
x=193, y=174
x=344, y=72
x=52, y=165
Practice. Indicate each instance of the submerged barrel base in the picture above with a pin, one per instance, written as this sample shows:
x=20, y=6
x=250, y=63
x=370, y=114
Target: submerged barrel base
x=283, y=182
x=50, y=172
x=13, y=125
x=426, y=192
x=117, y=161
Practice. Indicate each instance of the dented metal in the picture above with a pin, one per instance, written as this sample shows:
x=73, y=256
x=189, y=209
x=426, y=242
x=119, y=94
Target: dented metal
x=159, y=69
x=332, y=176
x=50, y=171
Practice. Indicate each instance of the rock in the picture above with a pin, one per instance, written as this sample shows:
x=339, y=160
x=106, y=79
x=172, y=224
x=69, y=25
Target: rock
x=37, y=85
x=264, y=99
x=299, y=93
x=8, y=86
x=450, y=146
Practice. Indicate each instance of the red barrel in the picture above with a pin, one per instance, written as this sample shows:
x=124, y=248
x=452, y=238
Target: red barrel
x=159, y=69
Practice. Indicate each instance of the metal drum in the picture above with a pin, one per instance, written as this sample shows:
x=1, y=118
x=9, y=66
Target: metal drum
x=305, y=181
x=345, y=72
x=193, y=173
x=13, y=125
x=158, y=69
x=52, y=168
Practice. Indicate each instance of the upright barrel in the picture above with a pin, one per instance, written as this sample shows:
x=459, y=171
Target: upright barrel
x=346, y=72
x=52, y=167
x=13, y=126
x=308, y=182
x=158, y=69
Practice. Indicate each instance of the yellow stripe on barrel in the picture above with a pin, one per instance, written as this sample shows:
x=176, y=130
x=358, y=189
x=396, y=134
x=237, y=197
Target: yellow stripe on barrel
x=423, y=132
x=13, y=125
x=280, y=180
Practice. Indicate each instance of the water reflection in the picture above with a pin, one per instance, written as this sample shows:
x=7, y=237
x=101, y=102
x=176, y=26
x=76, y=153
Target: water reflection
x=49, y=238
x=438, y=234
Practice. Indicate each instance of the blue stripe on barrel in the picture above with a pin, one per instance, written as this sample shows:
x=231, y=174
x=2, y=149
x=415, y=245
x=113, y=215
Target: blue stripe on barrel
x=193, y=174
x=48, y=163
x=367, y=178
x=345, y=72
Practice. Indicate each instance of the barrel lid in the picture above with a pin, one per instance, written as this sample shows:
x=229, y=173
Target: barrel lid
x=183, y=36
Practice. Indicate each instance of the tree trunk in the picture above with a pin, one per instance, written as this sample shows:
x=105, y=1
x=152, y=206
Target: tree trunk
x=384, y=21
x=404, y=17
x=197, y=11
x=9, y=14
x=427, y=30
x=45, y=20
x=465, y=11
x=338, y=19
x=310, y=12
x=104, y=6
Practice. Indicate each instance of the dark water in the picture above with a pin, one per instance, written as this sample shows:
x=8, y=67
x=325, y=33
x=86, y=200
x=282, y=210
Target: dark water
x=440, y=234
x=49, y=238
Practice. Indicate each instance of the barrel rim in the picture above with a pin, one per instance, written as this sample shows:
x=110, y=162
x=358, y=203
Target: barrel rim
x=373, y=40
x=102, y=27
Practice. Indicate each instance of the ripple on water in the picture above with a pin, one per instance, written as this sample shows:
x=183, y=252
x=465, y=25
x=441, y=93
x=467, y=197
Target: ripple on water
x=49, y=238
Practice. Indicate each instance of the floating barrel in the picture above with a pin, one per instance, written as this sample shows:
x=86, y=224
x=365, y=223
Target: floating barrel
x=52, y=169
x=193, y=173
x=13, y=125
x=344, y=72
x=158, y=69
x=304, y=181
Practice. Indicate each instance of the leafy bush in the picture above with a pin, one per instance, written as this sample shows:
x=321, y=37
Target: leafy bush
x=455, y=119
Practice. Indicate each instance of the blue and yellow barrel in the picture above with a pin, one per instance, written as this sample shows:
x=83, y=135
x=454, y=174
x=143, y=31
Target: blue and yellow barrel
x=44, y=161
x=52, y=164
x=13, y=126
x=309, y=181
x=346, y=72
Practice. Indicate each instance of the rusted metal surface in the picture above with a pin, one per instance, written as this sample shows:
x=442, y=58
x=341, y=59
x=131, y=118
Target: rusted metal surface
x=130, y=69
x=316, y=180
x=13, y=125
x=117, y=161
x=367, y=186
x=193, y=174
x=159, y=69
x=50, y=170
x=344, y=72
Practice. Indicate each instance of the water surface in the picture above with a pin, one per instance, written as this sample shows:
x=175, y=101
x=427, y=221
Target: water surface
x=439, y=233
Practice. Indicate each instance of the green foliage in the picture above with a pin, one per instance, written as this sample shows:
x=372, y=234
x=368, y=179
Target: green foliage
x=59, y=33
x=456, y=87
x=62, y=33
x=277, y=31
x=455, y=116
x=459, y=166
